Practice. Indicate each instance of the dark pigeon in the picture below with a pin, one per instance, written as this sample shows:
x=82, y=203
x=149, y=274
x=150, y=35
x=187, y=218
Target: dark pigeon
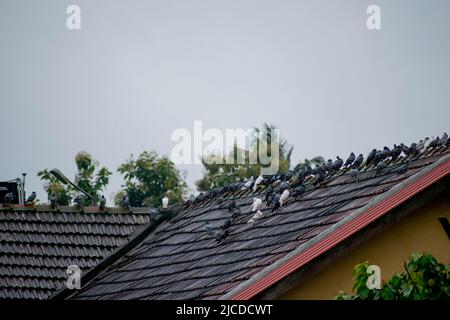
x=318, y=178
x=395, y=153
x=359, y=160
x=125, y=201
x=52, y=199
x=371, y=156
x=236, y=213
x=232, y=205
x=381, y=166
x=284, y=186
x=405, y=149
x=350, y=160
x=226, y=224
x=276, y=202
x=385, y=153
x=102, y=202
x=9, y=198
x=354, y=173
x=337, y=164
x=328, y=166
x=221, y=235
x=288, y=176
x=298, y=191
x=31, y=198
x=403, y=168
x=434, y=143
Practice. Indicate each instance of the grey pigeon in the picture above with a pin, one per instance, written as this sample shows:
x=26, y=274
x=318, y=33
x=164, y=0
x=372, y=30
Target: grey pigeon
x=353, y=173
x=31, y=198
x=298, y=191
x=208, y=228
x=153, y=213
x=236, y=213
x=221, y=235
x=125, y=201
x=102, y=202
x=329, y=165
x=288, y=176
x=350, y=160
x=269, y=192
x=337, y=164
x=381, y=166
x=405, y=149
x=284, y=186
x=52, y=199
x=276, y=202
x=9, y=198
x=395, y=153
x=371, y=156
x=403, y=168
x=226, y=224
x=318, y=178
x=359, y=160
x=434, y=143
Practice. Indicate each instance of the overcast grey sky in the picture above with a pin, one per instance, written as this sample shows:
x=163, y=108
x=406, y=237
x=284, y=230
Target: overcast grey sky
x=137, y=70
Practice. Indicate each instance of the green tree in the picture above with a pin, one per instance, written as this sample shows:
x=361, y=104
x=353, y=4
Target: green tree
x=148, y=179
x=423, y=279
x=220, y=173
x=88, y=177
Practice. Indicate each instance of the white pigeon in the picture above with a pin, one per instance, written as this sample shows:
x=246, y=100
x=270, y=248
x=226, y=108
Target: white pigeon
x=255, y=217
x=248, y=183
x=284, y=197
x=257, y=182
x=257, y=204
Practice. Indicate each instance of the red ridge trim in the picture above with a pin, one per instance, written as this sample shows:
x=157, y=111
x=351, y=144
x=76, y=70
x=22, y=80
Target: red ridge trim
x=344, y=232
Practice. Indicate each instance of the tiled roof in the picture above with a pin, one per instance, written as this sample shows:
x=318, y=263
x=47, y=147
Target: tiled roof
x=38, y=244
x=181, y=261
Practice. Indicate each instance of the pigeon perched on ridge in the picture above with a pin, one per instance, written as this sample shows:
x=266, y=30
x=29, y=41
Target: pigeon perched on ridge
x=350, y=160
x=337, y=164
x=434, y=143
x=257, y=204
x=125, y=201
x=276, y=202
x=257, y=182
x=52, y=199
x=359, y=160
x=406, y=151
x=318, y=178
x=269, y=192
x=329, y=165
x=248, y=184
x=371, y=156
x=385, y=153
x=102, y=202
x=395, y=152
x=9, y=198
x=31, y=198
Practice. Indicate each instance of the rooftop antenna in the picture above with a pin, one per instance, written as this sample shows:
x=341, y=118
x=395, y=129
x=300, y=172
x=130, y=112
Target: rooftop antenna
x=23, y=186
x=64, y=180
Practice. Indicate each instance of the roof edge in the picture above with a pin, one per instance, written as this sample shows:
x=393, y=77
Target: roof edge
x=136, y=238
x=379, y=206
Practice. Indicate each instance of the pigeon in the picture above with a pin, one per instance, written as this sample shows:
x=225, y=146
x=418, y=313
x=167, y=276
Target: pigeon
x=221, y=235
x=414, y=148
x=9, y=198
x=288, y=176
x=284, y=196
x=276, y=202
x=350, y=160
x=337, y=164
x=405, y=150
x=52, y=200
x=257, y=204
x=226, y=224
x=298, y=191
x=125, y=201
x=403, y=168
x=255, y=217
x=232, y=205
x=381, y=166
x=371, y=156
x=353, y=173
x=153, y=213
x=102, y=202
x=385, y=153
x=257, y=182
x=318, y=178
x=421, y=144
x=359, y=160
x=395, y=153
x=236, y=213
x=208, y=228
x=328, y=166
x=427, y=142
x=248, y=184
x=220, y=199
x=78, y=201
x=31, y=198
x=269, y=192
x=284, y=186
x=378, y=157
x=434, y=143
x=444, y=139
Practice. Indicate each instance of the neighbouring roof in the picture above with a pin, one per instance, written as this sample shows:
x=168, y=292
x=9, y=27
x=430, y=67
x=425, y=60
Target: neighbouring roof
x=179, y=260
x=37, y=244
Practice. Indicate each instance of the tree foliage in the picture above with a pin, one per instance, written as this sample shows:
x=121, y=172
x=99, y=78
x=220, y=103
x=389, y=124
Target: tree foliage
x=423, y=279
x=149, y=178
x=229, y=170
x=89, y=177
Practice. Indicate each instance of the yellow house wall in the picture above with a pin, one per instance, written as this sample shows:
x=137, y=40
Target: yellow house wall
x=418, y=232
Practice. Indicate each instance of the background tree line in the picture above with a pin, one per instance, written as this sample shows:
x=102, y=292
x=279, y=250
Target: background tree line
x=150, y=177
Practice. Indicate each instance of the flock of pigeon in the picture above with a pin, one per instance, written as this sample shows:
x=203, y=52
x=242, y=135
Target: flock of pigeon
x=279, y=187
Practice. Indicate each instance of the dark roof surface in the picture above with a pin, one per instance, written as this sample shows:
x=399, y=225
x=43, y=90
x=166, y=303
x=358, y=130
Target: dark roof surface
x=181, y=261
x=38, y=244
